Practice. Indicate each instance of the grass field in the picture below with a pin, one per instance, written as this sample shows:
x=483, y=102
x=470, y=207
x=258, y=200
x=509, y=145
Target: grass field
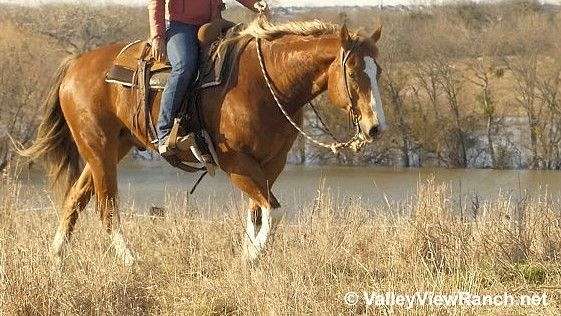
x=190, y=261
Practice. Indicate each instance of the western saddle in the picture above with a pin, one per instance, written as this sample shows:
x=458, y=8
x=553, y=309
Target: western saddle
x=134, y=68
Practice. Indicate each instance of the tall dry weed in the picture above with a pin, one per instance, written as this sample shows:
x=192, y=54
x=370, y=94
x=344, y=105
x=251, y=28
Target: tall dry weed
x=190, y=258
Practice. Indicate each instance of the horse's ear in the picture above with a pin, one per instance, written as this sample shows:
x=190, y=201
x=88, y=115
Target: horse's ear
x=377, y=34
x=345, y=37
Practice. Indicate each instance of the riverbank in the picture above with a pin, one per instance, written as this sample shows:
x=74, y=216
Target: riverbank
x=143, y=184
x=190, y=259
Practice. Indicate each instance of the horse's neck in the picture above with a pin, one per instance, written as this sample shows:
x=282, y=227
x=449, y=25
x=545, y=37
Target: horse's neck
x=298, y=66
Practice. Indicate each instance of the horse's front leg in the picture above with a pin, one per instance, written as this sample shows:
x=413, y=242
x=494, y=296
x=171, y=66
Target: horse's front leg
x=261, y=218
x=259, y=227
x=250, y=248
x=260, y=224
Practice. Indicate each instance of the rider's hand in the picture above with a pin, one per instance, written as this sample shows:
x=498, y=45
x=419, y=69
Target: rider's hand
x=262, y=7
x=159, y=48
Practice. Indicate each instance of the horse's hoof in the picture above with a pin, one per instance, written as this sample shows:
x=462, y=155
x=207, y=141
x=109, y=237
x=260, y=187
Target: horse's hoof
x=250, y=254
x=57, y=265
x=128, y=260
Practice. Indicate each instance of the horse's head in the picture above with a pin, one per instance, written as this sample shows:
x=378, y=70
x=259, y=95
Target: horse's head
x=353, y=82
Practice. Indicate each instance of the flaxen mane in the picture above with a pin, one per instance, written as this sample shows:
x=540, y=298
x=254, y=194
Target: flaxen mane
x=263, y=28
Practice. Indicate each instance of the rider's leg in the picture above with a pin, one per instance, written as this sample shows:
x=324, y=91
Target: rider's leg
x=183, y=54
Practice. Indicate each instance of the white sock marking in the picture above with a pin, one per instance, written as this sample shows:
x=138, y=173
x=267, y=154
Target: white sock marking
x=250, y=245
x=255, y=244
x=58, y=242
x=263, y=234
x=249, y=226
x=121, y=248
x=376, y=101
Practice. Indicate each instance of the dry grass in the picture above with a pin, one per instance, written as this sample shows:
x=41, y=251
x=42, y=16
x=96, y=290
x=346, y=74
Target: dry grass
x=191, y=264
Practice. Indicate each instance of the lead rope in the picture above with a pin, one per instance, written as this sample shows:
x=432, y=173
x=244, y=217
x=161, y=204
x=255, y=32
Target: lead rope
x=355, y=143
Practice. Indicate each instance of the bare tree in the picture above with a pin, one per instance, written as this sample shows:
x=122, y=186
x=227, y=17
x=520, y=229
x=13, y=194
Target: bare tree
x=484, y=70
x=395, y=83
x=78, y=28
x=525, y=76
x=548, y=86
x=450, y=81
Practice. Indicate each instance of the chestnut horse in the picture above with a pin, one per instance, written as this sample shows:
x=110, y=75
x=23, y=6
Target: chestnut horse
x=88, y=126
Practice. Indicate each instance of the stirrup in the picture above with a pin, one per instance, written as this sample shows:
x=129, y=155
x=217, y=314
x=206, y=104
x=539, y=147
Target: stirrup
x=165, y=149
x=168, y=148
x=206, y=159
x=172, y=138
x=185, y=143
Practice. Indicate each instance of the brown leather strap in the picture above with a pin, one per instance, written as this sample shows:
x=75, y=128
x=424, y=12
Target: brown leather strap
x=174, y=133
x=145, y=52
x=144, y=97
x=176, y=162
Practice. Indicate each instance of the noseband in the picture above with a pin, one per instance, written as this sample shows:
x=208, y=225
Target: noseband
x=358, y=140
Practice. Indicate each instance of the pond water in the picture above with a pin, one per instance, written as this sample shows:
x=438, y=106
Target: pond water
x=144, y=184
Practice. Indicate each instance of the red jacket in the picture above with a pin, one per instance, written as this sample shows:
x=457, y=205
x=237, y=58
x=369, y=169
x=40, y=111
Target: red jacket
x=197, y=12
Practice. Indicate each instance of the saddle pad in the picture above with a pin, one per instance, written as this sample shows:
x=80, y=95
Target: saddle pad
x=127, y=77
x=120, y=75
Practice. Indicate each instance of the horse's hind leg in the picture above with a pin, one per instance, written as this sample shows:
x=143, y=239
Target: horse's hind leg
x=104, y=173
x=76, y=200
x=105, y=182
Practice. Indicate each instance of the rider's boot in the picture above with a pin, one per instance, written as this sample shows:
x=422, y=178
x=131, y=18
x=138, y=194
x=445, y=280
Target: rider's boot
x=168, y=146
x=174, y=143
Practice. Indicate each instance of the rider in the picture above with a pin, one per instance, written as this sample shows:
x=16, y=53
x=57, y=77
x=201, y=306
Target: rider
x=173, y=30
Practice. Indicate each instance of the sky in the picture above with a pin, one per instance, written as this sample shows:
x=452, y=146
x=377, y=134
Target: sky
x=284, y=3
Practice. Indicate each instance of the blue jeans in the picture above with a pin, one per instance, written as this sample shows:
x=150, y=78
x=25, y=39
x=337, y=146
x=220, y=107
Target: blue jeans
x=183, y=54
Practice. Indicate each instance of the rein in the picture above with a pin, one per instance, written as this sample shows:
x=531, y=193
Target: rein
x=356, y=142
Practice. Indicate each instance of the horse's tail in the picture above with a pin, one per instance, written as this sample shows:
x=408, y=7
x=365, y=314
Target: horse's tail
x=54, y=143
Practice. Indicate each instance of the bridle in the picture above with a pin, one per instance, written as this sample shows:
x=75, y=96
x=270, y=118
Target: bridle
x=353, y=111
x=358, y=140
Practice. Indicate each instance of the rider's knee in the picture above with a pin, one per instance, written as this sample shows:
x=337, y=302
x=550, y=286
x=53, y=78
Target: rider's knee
x=184, y=71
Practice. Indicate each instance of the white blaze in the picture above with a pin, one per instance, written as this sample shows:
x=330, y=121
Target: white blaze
x=376, y=101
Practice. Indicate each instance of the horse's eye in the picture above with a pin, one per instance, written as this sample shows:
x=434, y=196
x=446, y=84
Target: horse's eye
x=352, y=75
